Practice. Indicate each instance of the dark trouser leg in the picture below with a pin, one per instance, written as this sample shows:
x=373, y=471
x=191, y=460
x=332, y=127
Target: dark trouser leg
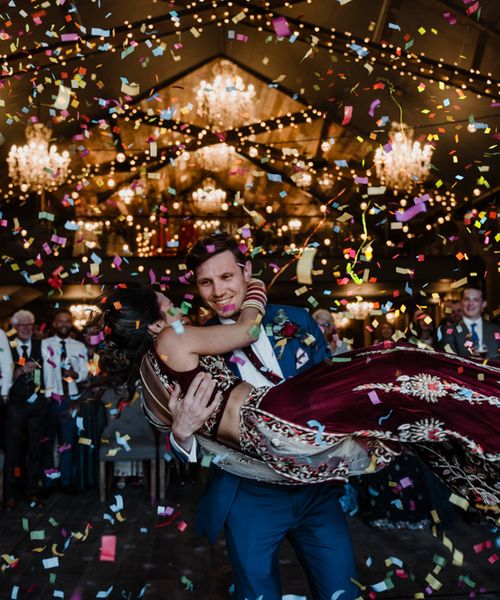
x=66, y=433
x=36, y=426
x=15, y=440
x=322, y=542
x=259, y=519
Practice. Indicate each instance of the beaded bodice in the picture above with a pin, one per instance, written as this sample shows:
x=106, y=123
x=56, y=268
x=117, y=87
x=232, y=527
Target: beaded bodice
x=225, y=380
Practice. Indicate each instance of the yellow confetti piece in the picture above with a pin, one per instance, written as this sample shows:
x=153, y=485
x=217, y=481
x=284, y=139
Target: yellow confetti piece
x=458, y=558
x=55, y=552
x=119, y=517
x=433, y=582
x=85, y=441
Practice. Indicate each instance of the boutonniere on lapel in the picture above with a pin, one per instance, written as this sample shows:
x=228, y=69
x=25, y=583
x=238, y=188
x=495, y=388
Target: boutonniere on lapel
x=283, y=328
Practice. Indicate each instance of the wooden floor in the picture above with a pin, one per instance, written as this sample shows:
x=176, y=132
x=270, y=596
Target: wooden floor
x=159, y=558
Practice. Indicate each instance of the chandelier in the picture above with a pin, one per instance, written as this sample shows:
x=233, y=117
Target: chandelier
x=126, y=194
x=81, y=314
x=360, y=310
x=36, y=167
x=208, y=198
x=402, y=163
x=294, y=225
x=219, y=157
x=225, y=102
x=326, y=181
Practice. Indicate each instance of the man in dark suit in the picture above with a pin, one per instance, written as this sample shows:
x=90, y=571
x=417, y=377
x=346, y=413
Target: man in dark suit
x=473, y=335
x=258, y=515
x=26, y=415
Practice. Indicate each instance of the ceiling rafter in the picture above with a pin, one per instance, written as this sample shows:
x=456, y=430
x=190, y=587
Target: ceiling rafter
x=456, y=76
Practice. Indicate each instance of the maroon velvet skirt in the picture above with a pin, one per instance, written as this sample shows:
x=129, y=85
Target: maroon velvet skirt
x=356, y=414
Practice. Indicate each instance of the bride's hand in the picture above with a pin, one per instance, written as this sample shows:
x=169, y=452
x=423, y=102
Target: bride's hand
x=189, y=412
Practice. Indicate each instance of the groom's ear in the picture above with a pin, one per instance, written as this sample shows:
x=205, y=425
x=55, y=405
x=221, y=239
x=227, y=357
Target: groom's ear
x=247, y=271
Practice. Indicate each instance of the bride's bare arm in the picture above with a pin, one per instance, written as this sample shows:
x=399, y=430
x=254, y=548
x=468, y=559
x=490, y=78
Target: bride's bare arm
x=180, y=351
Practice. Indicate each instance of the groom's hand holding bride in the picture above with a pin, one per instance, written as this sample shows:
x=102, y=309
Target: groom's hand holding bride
x=190, y=411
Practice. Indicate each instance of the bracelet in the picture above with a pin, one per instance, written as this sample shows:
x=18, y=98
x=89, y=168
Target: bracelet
x=253, y=304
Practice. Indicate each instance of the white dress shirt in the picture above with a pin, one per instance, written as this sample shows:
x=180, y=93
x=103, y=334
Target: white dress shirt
x=6, y=364
x=479, y=328
x=263, y=349
x=76, y=358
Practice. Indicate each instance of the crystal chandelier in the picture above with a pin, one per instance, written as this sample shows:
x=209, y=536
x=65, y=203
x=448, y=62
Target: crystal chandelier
x=360, y=310
x=219, y=157
x=208, y=198
x=326, y=181
x=36, y=167
x=294, y=225
x=402, y=163
x=81, y=314
x=226, y=102
x=126, y=194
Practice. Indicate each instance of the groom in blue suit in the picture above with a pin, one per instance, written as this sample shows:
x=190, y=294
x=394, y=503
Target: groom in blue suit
x=257, y=515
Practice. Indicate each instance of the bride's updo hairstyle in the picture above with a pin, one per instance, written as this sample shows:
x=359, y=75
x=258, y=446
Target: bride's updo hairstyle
x=125, y=316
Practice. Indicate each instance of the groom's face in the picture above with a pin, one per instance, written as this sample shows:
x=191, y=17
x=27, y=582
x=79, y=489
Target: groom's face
x=222, y=283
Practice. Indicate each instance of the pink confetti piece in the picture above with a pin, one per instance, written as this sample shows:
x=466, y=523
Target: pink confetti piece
x=361, y=180
x=182, y=526
x=69, y=37
x=406, y=482
x=152, y=276
x=108, y=548
x=95, y=339
x=347, y=115
x=450, y=18
x=237, y=359
x=281, y=28
x=373, y=106
x=210, y=248
x=374, y=399
x=411, y=212
x=229, y=308
x=472, y=9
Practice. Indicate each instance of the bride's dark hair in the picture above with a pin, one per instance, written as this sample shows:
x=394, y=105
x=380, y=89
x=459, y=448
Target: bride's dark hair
x=125, y=316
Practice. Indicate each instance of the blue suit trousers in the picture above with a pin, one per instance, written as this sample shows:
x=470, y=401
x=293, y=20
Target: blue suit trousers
x=311, y=518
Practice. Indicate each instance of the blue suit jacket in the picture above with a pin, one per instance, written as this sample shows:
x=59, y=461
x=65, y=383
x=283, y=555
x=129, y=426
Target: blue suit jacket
x=296, y=357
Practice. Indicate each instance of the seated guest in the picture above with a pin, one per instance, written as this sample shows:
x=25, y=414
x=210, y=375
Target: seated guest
x=421, y=330
x=452, y=315
x=26, y=415
x=325, y=322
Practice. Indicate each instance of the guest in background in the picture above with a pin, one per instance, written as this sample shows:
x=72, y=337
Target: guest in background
x=325, y=322
x=473, y=335
x=422, y=330
x=26, y=415
x=91, y=415
x=6, y=367
x=452, y=316
x=384, y=332
x=64, y=366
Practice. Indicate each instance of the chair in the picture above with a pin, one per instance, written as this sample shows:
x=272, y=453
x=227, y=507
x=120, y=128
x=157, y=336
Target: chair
x=2, y=463
x=127, y=437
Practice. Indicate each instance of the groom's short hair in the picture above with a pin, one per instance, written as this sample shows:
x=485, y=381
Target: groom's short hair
x=213, y=244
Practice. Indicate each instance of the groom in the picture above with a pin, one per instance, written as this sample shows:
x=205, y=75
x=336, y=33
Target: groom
x=258, y=516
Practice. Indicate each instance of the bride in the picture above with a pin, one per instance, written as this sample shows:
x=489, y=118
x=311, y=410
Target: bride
x=331, y=422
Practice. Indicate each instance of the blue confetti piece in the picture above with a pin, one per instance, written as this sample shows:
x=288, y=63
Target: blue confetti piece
x=320, y=427
x=385, y=417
